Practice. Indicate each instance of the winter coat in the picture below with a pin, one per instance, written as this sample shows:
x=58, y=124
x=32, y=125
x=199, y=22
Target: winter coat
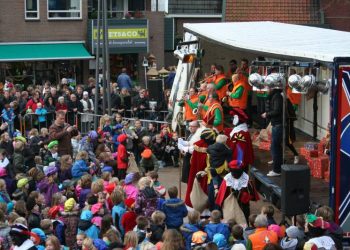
x=146, y=202
x=8, y=146
x=288, y=243
x=18, y=162
x=217, y=228
x=48, y=158
x=130, y=191
x=150, y=164
x=117, y=214
x=34, y=144
x=218, y=154
x=63, y=137
x=5, y=235
x=85, y=103
x=59, y=230
x=33, y=220
x=122, y=157
x=187, y=231
x=157, y=233
x=79, y=169
x=41, y=113
x=85, y=225
x=48, y=190
x=275, y=112
x=175, y=210
x=70, y=220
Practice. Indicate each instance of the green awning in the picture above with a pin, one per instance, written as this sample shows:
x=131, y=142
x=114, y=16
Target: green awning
x=14, y=52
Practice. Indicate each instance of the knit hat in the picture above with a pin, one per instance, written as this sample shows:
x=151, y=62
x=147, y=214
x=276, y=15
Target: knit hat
x=40, y=233
x=199, y=237
x=219, y=240
x=67, y=183
x=110, y=187
x=69, y=205
x=277, y=229
x=147, y=153
x=292, y=232
x=22, y=182
x=50, y=170
x=129, y=178
x=95, y=208
x=235, y=164
x=107, y=169
x=21, y=138
x=118, y=126
x=122, y=138
x=53, y=211
x=320, y=223
x=52, y=144
x=100, y=244
x=129, y=202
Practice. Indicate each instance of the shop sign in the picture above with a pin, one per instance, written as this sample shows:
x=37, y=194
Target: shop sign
x=122, y=37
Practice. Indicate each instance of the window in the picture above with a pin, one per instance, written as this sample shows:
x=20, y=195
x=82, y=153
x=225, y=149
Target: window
x=64, y=9
x=31, y=9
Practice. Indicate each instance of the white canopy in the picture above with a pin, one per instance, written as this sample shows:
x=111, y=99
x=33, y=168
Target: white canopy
x=277, y=39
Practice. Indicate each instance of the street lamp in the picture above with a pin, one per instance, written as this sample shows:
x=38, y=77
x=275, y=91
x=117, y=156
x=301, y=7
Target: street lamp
x=145, y=65
x=163, y=73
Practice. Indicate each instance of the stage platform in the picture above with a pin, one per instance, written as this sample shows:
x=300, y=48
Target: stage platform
x=270, y=187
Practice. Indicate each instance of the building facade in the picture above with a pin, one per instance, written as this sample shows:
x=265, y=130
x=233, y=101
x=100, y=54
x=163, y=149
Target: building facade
x=48, y=38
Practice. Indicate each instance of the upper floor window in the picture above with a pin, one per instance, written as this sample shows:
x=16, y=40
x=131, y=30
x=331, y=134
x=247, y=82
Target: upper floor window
x=64, y=9
x=31, y=9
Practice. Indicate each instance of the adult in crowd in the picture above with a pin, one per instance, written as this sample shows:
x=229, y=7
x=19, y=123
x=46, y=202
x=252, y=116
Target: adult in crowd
x=140, y=103
x=62, y=132
x=124, y=80
x=74, y=107
x=88, y=109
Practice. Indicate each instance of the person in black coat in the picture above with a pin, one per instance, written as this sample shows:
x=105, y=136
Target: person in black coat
x=74, y=107
x=139, y=104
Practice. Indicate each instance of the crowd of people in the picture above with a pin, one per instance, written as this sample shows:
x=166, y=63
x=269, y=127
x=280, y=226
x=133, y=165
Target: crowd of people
x=64, y=185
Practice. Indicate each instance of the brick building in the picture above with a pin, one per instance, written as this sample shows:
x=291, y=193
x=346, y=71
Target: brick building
x=47, y=39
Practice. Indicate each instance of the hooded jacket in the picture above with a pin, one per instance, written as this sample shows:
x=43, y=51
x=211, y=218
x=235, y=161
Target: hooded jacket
x=85, y=225
x=289, y=243
x=79, y=168
x=175, y=210
x=213, y=228
x=187, y=231
x=146, y=202
x=218, y=153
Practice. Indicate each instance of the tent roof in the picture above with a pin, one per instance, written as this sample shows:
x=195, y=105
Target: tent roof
x=277, y=38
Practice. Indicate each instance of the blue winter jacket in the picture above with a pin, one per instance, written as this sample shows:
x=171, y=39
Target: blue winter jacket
x=41, y=114
x=79, y=169
x=187, y=231
x=117, y=214
x=216, y=228
x=85, y=225
x=175, y=210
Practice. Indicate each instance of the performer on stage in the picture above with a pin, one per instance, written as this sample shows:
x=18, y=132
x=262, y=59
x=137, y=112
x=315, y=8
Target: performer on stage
x=239, y=138
x=220, y=82
x=190, y=102
x=199, y=161
x=204, y=98
x=237, y=182
x=214, y=116
x=238, y=97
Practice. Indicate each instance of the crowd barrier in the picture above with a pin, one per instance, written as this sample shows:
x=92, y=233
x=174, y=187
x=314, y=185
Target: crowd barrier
x=86, y=121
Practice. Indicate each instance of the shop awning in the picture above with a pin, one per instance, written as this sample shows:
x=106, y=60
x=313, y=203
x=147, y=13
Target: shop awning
x=278, y=39
x=43, y=51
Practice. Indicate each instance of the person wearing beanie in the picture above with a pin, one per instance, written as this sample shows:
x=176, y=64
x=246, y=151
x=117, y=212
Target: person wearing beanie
x=86, y=226
x=48, y=186
x=291, y=242
x=148, y=162
x=52, y=153
x=317, y=228
x=220, y=241
x=128, y=220
x=97, y=211
x=39, y=238
x=70, y=218
x=88, y=144
x=21, y=193
x=20, y=236
x=130, y=188
x=122, y=156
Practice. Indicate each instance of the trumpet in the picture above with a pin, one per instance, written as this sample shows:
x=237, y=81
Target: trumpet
x=224, y=99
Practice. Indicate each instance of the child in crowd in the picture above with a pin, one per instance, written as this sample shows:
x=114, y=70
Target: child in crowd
x=122, y=157
x=148, y=162
x=237, y=235
x=48, y=186
x=34, y=141
x=75, y=144
x=6, y=144
x=216, y=226
x=188, y=229
x=250, y=228
x=79, y=241
x=159, y=149
x=8, y=116
x=128, y=220
x=147, y=199
x=80, y=166
x=269, y=211
x=85, y=225
x=41, y=112
x=174, y=209
x=157, y=226
x=130, y=185
x=118, y=209
x=64, y=171
x=173, y=150
x=52, y=154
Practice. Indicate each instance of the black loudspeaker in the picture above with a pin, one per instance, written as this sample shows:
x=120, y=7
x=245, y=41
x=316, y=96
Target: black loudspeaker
x=295, y=189
x=155, y=90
